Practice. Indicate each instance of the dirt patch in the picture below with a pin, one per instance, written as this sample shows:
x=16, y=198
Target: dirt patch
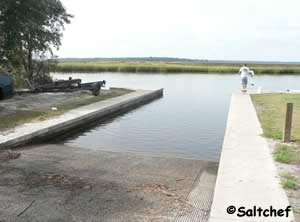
x=62, y=181
x=7, y=155
x=157, y=188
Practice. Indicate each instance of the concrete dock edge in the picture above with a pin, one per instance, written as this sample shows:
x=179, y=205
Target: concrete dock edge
x=247, y=175
x=75, y=118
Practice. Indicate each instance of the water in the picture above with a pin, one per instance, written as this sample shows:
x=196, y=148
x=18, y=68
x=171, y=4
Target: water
x=189, y=121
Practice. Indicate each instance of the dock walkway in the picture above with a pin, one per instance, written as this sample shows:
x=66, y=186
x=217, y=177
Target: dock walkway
x=247, y=175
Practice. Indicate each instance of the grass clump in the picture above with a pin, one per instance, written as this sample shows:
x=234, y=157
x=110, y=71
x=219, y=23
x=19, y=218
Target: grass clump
x=287, y=154
x=18, y=118
x=290, y=182
x=296, y=210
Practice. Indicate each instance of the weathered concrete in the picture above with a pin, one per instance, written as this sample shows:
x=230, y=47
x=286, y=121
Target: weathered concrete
x=247, y=175
x=75, y=118
x=61, y=183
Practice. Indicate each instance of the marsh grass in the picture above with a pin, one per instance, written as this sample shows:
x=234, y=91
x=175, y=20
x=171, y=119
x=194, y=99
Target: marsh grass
x=170, y=67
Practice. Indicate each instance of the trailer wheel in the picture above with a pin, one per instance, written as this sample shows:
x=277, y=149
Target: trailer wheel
x=96, y=89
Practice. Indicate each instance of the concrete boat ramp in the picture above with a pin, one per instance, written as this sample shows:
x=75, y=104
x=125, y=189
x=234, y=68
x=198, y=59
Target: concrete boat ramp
x=60, y=183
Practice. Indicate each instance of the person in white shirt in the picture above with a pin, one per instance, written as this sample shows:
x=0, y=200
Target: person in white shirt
x=245, y=72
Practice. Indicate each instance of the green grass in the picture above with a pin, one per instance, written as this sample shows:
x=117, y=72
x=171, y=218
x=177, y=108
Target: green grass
x=290, y=182
x=170, y=67
x=20, y=117
x=72, y=104
x=287, y=154
x=271, y=110
x=296, y=210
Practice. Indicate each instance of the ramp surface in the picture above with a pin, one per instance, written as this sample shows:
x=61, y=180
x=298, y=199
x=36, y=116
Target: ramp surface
x=61, y=183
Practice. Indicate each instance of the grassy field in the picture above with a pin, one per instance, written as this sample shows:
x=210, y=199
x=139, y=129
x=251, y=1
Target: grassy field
x=39, y=114
x=271, y=110
x=169, y=67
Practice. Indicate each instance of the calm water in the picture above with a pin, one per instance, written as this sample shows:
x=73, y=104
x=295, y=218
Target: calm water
x=189, y=121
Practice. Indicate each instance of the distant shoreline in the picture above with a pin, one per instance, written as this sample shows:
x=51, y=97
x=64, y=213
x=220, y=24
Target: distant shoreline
x=179, y=60
x=172, y=67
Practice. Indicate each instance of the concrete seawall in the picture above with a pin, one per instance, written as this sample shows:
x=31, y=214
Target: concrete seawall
x=247, y=175
x=75, y=118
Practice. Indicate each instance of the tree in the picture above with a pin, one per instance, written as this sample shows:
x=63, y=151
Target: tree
x=30, y=30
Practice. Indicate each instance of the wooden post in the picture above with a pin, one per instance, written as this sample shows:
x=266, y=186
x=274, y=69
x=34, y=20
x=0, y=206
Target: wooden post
x=288, y=123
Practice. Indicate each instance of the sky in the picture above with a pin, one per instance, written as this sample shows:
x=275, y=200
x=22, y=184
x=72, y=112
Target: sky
x=262, y=30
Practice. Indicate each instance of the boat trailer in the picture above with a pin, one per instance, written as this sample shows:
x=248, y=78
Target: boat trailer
x=67, y=86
